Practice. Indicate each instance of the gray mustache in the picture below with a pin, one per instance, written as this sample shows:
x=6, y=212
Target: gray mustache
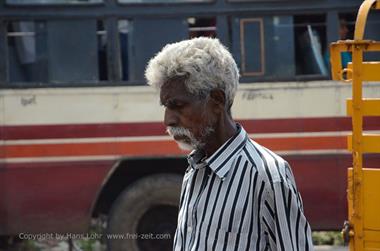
x=178, y=131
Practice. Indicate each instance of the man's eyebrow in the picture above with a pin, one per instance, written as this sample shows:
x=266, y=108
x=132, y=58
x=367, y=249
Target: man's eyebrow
x=166, y=101
x=163, y=100
x=174, y=101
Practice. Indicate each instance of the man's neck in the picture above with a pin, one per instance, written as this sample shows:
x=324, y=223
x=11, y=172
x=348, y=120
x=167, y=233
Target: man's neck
x=223, y=132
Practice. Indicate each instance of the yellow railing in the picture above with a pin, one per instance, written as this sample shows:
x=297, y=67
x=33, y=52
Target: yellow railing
x=363, y=227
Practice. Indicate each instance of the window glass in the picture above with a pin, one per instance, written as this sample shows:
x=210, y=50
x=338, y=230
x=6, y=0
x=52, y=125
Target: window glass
x=102, y=50
x=124, y=36
x=252, y=48
x=164, y=1
x=343, y=29
x=42, y=2
x=346, y=25
x=54, y=51
x=261, y=1
x=310, y=45
x=23, y=59
x=202, y=27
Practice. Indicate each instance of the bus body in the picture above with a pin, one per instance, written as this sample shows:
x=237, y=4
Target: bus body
x=79, y=126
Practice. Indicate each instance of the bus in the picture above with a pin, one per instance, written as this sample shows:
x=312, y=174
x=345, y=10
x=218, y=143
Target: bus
x=81, y=134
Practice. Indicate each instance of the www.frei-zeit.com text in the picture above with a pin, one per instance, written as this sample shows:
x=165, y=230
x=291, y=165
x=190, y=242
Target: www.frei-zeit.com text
x=92, y=236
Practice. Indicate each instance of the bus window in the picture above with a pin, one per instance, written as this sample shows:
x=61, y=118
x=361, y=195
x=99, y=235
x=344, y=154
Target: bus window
x=246, y=1
x=71, y=46
x=346, y=25
x=54, y=51
x=342, y=28
x=202, y=27
x=252, y=47
x=45, y=2
x=163, y=1
x=23, y=60
x=147, y=37
x=263, y=47
x=310, y=44
x=123, y=28
x=102, y=50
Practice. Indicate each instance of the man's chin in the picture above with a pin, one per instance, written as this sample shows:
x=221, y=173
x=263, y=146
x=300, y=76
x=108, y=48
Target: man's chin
x=184, y=146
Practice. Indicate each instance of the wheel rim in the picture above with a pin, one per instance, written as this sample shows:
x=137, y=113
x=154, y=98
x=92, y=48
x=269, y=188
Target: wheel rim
x=157, y=227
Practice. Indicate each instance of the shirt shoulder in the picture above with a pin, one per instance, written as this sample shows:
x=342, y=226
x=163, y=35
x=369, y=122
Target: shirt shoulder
x=271, y=167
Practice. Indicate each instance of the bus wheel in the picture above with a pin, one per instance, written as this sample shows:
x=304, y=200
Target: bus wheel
x=144, y=216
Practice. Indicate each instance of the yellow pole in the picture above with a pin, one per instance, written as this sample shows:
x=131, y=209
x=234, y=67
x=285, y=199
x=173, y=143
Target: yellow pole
x=357, y=130
x=357, y=127
x=363, y=227
x=361, y=19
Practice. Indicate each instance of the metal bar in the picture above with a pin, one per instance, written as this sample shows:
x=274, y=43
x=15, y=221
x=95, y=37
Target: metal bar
x=4, y=77
x=370, y=107
x=350, y=45
x=371, y=177
x=371, y=71
x=370, y=143
x=101, y=33
x=357, y=152
x=361, y=19
x=113, y=50
x=20, y=34
x=347, y=45
x=336, y=61
x=42, y=74
x=211, y=28
x=26, y=3
x=350, y=198
x=357, y=142
x=157, y=9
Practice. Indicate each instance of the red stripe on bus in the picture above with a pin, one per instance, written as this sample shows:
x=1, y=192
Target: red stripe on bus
x=321, y=180
x=289, y=125
x=158, y=148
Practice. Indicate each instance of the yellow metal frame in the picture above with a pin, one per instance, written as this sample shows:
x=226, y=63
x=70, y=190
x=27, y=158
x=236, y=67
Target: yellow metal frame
x=363, y=229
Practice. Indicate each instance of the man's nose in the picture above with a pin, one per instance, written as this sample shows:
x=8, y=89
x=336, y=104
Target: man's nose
x=170, y=118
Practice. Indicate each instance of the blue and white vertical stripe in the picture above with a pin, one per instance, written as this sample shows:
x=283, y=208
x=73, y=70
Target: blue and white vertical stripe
x=243, y=197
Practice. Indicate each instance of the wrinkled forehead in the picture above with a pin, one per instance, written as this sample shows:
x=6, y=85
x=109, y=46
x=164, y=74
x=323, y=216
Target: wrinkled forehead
x=174, y=88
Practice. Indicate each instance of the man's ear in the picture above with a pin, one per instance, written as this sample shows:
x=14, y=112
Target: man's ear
x=218, y=97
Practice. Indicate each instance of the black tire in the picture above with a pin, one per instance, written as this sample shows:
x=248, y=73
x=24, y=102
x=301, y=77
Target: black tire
x=146, y=208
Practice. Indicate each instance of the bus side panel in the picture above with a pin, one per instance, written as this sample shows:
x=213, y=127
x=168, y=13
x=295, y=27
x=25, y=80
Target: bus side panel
x=322, y=184
x=54, y=197
x=2, y=169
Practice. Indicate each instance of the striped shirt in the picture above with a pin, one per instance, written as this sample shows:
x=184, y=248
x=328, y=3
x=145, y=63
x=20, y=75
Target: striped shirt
x=243, y=197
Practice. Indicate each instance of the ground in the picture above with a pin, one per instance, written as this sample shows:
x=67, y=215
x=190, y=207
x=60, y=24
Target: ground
x=331, y=248
x=64, y=246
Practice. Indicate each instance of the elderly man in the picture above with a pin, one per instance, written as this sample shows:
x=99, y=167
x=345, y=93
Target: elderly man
x=236, y=194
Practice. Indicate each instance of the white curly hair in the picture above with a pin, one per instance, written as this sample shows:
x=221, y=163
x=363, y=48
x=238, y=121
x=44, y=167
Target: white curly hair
x=204, y=64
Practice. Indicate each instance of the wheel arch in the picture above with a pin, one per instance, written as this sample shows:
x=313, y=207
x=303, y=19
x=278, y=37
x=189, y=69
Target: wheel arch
x=128, y=170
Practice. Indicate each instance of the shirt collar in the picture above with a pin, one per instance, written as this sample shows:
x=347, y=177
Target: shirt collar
x=196, y=159
x=221, y=161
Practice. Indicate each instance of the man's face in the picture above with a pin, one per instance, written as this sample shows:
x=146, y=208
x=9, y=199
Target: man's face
x=343, y=30
x=188, y=118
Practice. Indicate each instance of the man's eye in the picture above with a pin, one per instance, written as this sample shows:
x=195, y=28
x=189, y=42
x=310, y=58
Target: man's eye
x=176, y=105
x=179, y=105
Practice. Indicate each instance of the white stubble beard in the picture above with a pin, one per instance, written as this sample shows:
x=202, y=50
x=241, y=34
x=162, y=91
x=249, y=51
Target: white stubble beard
x=193, y=143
